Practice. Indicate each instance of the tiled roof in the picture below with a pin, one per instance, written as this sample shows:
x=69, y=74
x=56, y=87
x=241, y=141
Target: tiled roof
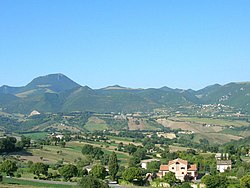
x=178, y=160
x=164, y=168
x=192, y=167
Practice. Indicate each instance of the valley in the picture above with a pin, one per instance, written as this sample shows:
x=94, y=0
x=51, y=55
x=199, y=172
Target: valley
x=69, y=131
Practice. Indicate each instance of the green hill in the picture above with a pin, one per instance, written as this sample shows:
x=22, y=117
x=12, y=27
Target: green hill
x=58, y=93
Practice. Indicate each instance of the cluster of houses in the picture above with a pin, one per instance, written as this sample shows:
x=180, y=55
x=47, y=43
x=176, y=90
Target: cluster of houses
x=183, y=168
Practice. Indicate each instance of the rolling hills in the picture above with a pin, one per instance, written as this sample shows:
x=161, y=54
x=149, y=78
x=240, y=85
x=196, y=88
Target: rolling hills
x=58, y=93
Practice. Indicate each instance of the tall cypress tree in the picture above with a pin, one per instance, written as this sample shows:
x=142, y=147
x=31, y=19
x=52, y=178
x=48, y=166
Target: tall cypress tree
x=113, y=166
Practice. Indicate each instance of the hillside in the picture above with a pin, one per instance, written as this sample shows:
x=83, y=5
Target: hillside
x=232, y=94
x=58, y=93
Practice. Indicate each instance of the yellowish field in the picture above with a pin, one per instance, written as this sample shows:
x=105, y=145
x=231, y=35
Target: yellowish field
x=195, y=127
x=177, y=148
x=95, y=123
x=49, y=154
x=216, y=138
x=212, y=121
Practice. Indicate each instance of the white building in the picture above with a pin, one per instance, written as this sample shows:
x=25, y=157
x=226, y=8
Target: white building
x=223, y=165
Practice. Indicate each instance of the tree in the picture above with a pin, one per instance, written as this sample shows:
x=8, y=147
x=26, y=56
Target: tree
x=245, y=181
x=140, y=153
x=62, y=144
x=113, y=165
x=188, y=178
x=132, y=173
x=92, y=151
x=214, y=181
x=98, y=171
x=134, y=161
x=185, y=185
x=97, y=153
x=82, y=172
x=241, y=172
x=92, y=182
x=170, y=178
x=9, y=167
x=105, y=159
x=153, y=166
x=131, y=148
x=25, y=141
x=68, y=171
x=87, y=149
x=39, y=168
x=8, y=144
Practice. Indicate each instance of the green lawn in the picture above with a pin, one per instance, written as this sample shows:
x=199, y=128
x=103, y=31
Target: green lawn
x=77, y=146
x=14, y=181
x=95, y=123
x=37, y=135
x=51, y=155
x=95, y=127
x=117, y=138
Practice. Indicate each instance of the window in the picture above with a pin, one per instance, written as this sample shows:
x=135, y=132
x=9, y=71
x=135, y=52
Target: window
x=182, y=173
x=183, y=168
x=172, y=168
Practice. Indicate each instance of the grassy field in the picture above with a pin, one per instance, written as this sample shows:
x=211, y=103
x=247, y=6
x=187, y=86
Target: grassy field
x=13, y=182
x=122, y=157
x=215, y=138
x=221, y=122
x=174, y=148
x=36, y=135
x=95, y=123
x=52, y=154
x=236, y=132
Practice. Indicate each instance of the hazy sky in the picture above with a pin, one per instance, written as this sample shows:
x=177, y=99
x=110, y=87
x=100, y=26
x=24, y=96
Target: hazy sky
x=133, y=43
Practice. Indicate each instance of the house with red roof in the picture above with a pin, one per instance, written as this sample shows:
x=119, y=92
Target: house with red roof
x=180, y=167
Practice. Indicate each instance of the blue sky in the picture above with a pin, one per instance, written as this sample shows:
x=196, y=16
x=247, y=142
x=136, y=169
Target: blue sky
x=133, y=43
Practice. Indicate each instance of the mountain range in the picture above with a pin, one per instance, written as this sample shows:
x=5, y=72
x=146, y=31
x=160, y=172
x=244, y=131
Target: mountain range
x=58, y=93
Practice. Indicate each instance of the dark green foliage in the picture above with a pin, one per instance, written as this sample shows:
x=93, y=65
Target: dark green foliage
x=68, y=171
x=131, y=148
x=170, y=178
x=25, y=142
x=84, y=162
x=140, y=153
x=66, y=95
x=245, y=181
x=95, y=152
x=8, y=144
x=9, y=167
x=131, y=134
x=105, y=159
x=98, y=171
x=82, y=172
x=153, y=166
x=120, y=171
x=113, y=166
x=134, y=161
x=131, y=174
x=39, y=168
x=92, y=182
x=215, y=181
x=184, y=185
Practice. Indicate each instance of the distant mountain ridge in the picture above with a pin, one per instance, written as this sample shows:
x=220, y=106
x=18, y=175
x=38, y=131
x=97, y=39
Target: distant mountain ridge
x=58, y=93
